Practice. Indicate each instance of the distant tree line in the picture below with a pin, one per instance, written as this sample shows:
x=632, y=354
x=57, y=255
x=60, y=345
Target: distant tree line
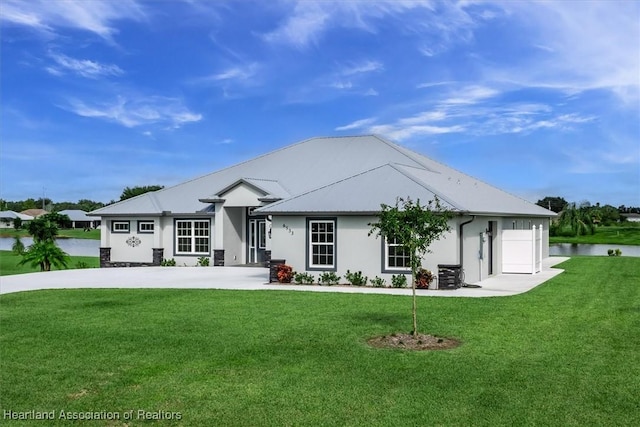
x=575, y=219
x=82, y=204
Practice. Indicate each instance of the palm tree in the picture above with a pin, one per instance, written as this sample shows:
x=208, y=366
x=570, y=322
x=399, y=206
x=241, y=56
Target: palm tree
x=45, y=253
x=578, y=221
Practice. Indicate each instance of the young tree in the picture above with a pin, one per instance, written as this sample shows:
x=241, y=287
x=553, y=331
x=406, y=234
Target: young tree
x=44, y=251
x=415, y=227
x=45, y=254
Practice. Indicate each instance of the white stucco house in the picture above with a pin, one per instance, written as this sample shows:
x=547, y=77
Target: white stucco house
x=7, y=218
x=310, y=204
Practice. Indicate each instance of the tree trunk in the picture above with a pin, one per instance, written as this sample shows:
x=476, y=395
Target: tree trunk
x=413, y=289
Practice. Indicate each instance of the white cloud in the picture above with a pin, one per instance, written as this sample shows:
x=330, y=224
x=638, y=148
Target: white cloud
x=358, y=124
x=95, y=16
x=306, y=22
x=581, y=46
x=83, y=67
x=237, y=73
x=363, y=67
x=168, y=112
x=303, y=26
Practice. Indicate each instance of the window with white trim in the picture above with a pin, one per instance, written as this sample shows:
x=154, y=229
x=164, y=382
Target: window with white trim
x=322, y=244
x=146, y=227
x=192, y=236
x=397, y=257
x=119, y=226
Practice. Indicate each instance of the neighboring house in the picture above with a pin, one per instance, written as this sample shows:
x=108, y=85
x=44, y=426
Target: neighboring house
x=79, y=219
x=310, y=204
x=632, y=217
x=34, y=213
x=8, y=217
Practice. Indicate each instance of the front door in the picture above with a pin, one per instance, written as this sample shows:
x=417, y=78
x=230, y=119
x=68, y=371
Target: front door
x=257, y=241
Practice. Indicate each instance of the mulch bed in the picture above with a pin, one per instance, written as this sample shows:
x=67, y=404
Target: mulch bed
x=420, y=342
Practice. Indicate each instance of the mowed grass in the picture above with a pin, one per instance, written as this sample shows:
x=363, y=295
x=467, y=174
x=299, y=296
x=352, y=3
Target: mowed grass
x=9, y=263
x=64, y=233
x=565, y=354
x=614, y=235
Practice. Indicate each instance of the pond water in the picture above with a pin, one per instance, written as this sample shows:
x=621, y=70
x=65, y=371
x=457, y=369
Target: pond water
x=572, y=249
x=87, y=247
x=74, y=247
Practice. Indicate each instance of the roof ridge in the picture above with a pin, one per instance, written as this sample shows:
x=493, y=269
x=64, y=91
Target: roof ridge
x=326, y=185
x=425, y=185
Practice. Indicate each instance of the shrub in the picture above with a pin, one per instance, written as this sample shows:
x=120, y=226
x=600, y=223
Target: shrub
x=285, y=273
x=399, y=281
x=329, y=278
x=303, y=278
x=168, y=262
x=378, y=282
x=81, y=264
x=203, y=261
x=424, y=278
x=356, y=279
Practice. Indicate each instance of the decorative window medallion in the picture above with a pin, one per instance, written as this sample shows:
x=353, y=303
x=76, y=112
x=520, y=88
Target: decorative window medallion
x=133, y=241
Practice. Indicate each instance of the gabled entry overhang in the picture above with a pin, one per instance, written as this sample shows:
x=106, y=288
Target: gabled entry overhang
x=264, y=190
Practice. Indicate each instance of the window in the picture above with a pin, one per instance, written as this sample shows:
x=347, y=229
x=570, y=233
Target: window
x=321, y=249
x=396, y=256
x=119, y=226
x=262, y=234
x=145, y=227
x=192, y=236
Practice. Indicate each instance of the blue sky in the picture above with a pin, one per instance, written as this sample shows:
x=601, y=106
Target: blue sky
x=537, y=98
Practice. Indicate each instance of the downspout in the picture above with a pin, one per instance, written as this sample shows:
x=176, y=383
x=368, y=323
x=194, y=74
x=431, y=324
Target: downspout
x=461, y=236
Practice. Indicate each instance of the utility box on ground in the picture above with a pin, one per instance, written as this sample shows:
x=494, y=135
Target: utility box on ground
x=449, y=276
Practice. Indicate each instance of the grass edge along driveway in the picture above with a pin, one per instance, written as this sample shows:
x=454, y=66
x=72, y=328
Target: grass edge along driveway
x=566, y=353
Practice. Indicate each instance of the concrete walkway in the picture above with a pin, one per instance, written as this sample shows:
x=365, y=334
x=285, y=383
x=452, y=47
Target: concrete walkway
x=247, y=278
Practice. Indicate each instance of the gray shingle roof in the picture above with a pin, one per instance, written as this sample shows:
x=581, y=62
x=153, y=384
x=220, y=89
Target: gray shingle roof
x=336, y=174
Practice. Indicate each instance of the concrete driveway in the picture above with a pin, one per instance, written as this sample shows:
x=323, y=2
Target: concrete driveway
x=246, y=278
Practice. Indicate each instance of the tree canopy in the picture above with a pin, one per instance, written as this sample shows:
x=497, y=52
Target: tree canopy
x=130, y=192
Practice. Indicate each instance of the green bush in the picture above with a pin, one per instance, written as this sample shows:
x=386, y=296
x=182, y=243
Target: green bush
x=378, y=282
x=203, y=261
x=82, y=264
x=303, y=278
x=399, y=281
x=356, y=279
x=329, y=278
x=168, y=262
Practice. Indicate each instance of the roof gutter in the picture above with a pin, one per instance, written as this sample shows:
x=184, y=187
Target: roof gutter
x=461, y=236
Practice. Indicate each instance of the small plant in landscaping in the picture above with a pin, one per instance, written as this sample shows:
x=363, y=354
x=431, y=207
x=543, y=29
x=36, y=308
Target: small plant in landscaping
x=329, y=278
x=203, y=261
x=399, y=281
x=424, y=277
x=378, y=282
x=285, y=273
x=356, y=279
x=82, y=264
x=168, y=262
x=303, y=278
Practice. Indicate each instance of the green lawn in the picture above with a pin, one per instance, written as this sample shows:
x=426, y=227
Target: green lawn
x=613, y=235
x=62, y=233
x=565, y=354
x=9, y=263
